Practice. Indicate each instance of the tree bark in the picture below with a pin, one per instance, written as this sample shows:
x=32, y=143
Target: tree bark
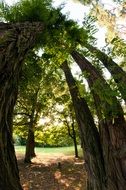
x=112, y=129
x=118, y=74
x=89, y=136
x=15, y=41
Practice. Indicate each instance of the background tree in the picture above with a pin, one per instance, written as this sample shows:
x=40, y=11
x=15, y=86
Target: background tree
x=63, y=109
x=29, y=103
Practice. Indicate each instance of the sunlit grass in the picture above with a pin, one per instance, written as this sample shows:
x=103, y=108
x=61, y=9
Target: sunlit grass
x=65, y=150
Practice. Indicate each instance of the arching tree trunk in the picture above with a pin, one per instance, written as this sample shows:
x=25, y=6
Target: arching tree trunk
x=89, y=136
x=110, y=105
x=112, y=128
x=118, y=74
x=15, y=41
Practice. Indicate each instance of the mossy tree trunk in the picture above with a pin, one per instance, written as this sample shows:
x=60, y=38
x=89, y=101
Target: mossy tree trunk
x=118, y=74
x=90, y=139
x=112, y=128
x=15, y=41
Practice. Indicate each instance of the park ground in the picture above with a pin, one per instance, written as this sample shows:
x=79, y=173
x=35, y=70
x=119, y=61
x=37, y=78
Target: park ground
x=45, y=172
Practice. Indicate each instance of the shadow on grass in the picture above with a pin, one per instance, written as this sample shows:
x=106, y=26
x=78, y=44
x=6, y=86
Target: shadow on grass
x=69, y=175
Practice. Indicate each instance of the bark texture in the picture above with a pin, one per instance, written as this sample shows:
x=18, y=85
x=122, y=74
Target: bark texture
x=89, y=136
x=112, y=127
x=118, y=74
x=15, y=41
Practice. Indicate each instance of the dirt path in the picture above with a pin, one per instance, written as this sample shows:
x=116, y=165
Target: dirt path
x=45, y=174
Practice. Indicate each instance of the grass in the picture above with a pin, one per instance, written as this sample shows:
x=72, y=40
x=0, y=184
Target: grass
x=56, y=150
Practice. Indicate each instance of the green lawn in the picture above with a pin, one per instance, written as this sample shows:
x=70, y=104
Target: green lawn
x=64, y=150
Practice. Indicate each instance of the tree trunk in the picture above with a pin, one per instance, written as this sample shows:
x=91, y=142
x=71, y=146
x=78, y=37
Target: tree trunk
x=110, y=105
x=73, y=136
x=118, y=74
x=30, y=146
x=74, y=140
x=15, y=41
x=112, y=129
x=89, y=136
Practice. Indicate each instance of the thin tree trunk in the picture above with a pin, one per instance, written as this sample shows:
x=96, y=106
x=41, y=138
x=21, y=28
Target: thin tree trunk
x=89, y=136
x=113, y=128
x=118, y=74
x=15, y=41
x=74, y=140
x=73, y=136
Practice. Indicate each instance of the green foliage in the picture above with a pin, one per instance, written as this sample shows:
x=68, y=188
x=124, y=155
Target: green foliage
x=55, y=136
x=108, y=98
x=60, y=35
x=29, y=103
x=26, y=10
x=118, y=47
x=20, y=134
x=19, y=140
x=89, y=24
x=85, y=2
x=52, y=94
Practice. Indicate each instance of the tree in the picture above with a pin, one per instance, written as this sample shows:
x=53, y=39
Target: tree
x=17, y=38
x=60, y=107
x=118, y=74
x=71, y=128
x=30, y=144
x=15, y=41
x=84, y=38
x=29, y=103
x=67, y=116
x=22, y=37
x=89, y=135
x=109, y=109
x=112, y=117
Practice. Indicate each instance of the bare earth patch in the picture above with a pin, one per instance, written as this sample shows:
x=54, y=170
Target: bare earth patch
x=45, y=174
